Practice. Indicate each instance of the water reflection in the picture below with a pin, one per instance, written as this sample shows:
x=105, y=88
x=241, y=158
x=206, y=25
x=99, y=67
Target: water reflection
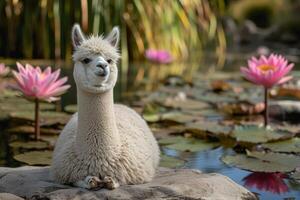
x=271, y=182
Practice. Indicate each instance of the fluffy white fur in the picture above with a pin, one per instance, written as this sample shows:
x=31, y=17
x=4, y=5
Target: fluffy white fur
x=103, y=140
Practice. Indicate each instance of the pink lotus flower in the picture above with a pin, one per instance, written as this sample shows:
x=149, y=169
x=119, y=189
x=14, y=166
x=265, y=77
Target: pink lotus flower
x=272, y=182
x=37, y=84
x=159, y=56
x=3, y=69
x=267, y=71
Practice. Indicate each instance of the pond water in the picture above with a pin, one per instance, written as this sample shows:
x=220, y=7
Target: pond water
x=147, y=77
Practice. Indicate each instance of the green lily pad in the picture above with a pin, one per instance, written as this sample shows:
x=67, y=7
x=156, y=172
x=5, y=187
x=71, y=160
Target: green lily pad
x=177, y=117
x=187, y=104
x=203, y=127
x=29, y=144
x=263, y=162
x=26, y=129
x=71, y=108
x=35, y=157
x=151, y=117
x=170, y=162
x=180, y=143
x=46, y=117
x=214, y=98
x=256, y=134
x=291, y=145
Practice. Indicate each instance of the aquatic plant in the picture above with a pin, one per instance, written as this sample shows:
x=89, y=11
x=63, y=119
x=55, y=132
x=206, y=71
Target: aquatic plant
x=3, y=69
x=177, y=25
x=38, y=85
x=267, y=71
x=272, y=182
x=158, y=56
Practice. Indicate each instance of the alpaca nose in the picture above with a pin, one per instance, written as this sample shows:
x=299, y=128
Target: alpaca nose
x=103, y=69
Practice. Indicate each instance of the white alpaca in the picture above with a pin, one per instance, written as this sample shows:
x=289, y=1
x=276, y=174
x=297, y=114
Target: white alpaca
x=103, y=145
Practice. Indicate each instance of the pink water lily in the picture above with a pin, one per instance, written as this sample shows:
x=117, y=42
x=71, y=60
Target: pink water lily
x=37, y=85
x=268, y=71
x=3, y=69
x=159, y=56
x=272, y=182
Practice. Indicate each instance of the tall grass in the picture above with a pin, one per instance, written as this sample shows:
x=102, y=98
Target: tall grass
x=41, y=28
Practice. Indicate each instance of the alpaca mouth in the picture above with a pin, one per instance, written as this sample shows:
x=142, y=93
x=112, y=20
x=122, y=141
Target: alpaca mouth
x=102, y=73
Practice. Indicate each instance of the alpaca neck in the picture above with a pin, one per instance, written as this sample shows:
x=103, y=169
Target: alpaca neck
x=97, y=128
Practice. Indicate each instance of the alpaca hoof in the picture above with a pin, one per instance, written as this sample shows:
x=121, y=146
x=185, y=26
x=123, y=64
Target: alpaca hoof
x=90, y=182
x=109, y=183
x=93, y=182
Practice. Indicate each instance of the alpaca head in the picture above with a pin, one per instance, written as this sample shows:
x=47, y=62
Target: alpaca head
x=95, y=58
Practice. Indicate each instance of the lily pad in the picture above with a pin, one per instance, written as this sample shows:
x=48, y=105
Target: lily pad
x=29, y=144
x=26, y=129
x=214, y=98
x=256, y=134
x=47, y=117
x=291, y=145
x=71, y=108
x=178, y=117
x=263, y=162
x=151, y=117
x=170, y=162
x=35, y=157
x=187, y=104
x=203, y=127
x=180, y=143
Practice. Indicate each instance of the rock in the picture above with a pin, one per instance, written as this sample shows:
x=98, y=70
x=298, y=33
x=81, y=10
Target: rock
x=35, y=183
x=8, y=196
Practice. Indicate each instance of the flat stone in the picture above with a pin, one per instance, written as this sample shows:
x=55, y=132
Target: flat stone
x=34, y=183
x=8, y=196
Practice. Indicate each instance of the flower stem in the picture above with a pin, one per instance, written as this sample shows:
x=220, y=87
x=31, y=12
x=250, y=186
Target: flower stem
x=266, y=113
x=37, y=119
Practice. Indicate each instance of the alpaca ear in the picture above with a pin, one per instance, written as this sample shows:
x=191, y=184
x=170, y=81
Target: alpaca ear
x=77, y=35
x=114, y=36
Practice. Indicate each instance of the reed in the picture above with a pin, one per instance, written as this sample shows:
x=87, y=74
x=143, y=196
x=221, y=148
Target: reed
x=41, y=28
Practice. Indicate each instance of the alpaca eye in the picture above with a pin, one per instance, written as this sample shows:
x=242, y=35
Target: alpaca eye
x=109, y=61
x=86, y=60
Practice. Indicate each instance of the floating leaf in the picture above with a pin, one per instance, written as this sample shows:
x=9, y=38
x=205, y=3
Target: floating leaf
x=291, y=145
x=26, y=129
x=214, y=98
x=29, y=144
x=187, y=104
x=35, y=157
x=263, y=162
x=256, y=134
x=47, y=117
x=242, y=108
x=178, y=117
x=170, y=162
x=180, y=143
x=204, y=127
x=151, y=117
x=71, y=108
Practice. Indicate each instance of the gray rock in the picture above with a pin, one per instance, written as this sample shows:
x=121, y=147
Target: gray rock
x=8, y=196
x=35, y=183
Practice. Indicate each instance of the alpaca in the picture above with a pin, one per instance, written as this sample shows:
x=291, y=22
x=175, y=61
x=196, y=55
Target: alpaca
x=104, y=145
